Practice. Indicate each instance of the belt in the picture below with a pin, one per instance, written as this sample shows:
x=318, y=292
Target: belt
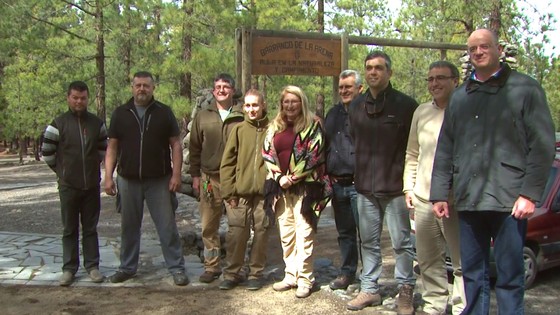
x=345, y=180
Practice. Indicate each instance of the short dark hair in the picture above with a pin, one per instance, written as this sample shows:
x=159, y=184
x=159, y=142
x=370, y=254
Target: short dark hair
x=78, y=86
x=143, y=74
x=378, y=53
x=445, y=64
x=226, y=78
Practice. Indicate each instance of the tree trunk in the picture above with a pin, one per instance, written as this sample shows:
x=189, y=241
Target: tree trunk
x=22, y=149
x=185, y=88
x=157, y=28
x=100, y=62
x=321, y=16
x=320, y=108
x=127, y=46
x=496, y=17
x=37, y=147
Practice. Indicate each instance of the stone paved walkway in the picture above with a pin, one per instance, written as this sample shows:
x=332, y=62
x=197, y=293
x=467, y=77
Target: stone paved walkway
x=36, y=259
x=32, y=259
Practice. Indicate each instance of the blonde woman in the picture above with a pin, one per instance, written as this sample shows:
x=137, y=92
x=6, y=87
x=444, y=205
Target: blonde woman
x=296, y=188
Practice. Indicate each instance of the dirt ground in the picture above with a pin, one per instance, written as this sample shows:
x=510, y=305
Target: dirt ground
x=38, y=213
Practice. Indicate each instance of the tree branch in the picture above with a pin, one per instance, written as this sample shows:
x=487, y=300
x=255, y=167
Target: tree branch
x=79, y=7
x=60, y=28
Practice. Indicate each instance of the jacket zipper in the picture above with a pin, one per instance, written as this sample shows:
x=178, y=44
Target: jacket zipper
x=83, y=134
x=257, y=151
x=141, y=140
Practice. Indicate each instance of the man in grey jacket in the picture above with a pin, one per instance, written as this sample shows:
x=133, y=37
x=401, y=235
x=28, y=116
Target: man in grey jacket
x=495, y=149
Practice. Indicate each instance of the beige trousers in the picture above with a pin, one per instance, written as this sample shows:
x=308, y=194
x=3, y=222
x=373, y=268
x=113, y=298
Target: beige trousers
x=297, y=237
x=248, y=214
x=210, y=215
x=432, y=236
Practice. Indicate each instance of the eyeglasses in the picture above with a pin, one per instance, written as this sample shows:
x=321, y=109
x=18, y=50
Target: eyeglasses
x=439, y=78
x=288, y=102
x=483, y=47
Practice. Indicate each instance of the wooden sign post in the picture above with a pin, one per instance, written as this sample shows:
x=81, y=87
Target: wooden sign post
x=295, y=56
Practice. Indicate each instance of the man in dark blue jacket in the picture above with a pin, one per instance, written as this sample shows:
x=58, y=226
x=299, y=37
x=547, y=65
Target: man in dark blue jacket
x=494, y=152
x=74, y=145
x=144, y=140
x=340, y=167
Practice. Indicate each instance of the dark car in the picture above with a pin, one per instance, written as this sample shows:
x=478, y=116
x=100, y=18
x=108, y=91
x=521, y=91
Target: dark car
x=542, y=244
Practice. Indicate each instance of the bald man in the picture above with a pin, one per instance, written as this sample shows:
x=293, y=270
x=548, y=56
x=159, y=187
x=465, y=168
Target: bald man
x=495, y=149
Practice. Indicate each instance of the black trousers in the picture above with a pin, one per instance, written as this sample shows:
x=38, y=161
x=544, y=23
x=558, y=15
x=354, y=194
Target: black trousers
x=79, y=206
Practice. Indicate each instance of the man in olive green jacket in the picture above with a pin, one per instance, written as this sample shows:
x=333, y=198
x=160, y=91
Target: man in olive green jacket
x=210, y=129
x=242, y=174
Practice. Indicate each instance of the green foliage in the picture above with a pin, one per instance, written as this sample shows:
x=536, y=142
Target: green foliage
x=48, y=43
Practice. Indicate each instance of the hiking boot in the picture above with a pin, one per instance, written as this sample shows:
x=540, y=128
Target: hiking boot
x=303, y=292
x=209, y=276
x=341, y=282
x=228, y=284
x=66, y=279
x=254, y=284
x=405, y=303
x=363, y=300
x=96, y=276
x=282, y=286
x=180, y=278
x=121, y=276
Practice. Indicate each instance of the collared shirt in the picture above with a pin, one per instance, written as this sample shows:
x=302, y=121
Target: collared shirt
x=494, y=75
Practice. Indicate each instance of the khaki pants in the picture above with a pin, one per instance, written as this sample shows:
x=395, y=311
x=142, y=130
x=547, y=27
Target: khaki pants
x=249, y=213
x=296, y=236
x=210, y=215
x=432, y=235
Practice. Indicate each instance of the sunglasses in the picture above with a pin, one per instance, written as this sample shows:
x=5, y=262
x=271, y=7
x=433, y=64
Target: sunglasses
x=373, y=107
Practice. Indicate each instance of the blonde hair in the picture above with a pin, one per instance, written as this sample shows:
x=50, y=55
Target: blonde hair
x=302, y=121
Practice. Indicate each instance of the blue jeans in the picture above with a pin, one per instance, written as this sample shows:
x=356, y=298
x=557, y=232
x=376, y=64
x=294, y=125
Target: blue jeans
x=477, y=229
x=158, y=199
x=371, y=212
x=345, y=216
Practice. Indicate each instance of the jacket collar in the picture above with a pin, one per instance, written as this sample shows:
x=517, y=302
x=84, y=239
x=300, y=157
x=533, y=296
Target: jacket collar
x=382, y=95
x=259, y=123
x=130, y=103
x=492, y=85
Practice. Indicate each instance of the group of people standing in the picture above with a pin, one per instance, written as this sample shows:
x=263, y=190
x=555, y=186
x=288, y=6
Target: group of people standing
x=471, y=163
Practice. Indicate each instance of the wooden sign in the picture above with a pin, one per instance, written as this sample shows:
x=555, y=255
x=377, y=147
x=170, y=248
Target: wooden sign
x=295, y=56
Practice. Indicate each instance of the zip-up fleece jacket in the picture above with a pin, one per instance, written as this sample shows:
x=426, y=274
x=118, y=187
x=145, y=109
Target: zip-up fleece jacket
x=144, y=150
x=209, y=135
x=496, y=143
x=73, y=147
x=242, y=172
x=380, y=139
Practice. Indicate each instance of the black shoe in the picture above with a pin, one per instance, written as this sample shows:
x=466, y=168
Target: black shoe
x=341, y=282
x=180, y=278
x=254, y=284
x=228, y=284
x=209, y=276
x=121, y=276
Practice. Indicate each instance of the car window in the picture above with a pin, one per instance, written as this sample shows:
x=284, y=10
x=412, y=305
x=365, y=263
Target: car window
x=548, y=187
